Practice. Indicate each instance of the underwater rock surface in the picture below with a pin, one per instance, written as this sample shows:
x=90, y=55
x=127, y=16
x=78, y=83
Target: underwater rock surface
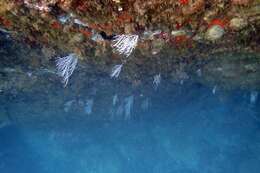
x=173, y=38
x=87, y=27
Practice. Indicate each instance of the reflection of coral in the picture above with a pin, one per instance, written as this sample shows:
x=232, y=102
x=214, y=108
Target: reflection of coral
x=253, y=97
x=125, y=44
x=66, y=66
x=145, y=104
x=88, y=106
x=116, y=71
x=124, y=109
x=156, y=80
x=115, y=99
x=129, y=101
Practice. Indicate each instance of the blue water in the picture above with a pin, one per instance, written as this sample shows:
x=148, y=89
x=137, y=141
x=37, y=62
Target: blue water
x=182, y=131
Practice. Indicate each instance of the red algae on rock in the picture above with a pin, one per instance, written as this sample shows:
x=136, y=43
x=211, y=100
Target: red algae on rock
x=40, y=20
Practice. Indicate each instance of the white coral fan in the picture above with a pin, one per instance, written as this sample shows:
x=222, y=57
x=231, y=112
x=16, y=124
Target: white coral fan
x=125, y=44
x=116, y=71
x=156, y=80
x=65, y=67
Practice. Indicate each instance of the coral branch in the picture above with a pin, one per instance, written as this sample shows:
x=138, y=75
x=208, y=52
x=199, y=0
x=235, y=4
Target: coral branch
x=125, y=44
x=65, y=67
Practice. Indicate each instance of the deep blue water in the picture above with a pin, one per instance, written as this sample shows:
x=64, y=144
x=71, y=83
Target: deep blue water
x=192, y=131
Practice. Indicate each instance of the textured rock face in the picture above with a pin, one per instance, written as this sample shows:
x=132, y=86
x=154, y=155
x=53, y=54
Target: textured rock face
x=173, y=37
x=233, y=70
x=78, y=26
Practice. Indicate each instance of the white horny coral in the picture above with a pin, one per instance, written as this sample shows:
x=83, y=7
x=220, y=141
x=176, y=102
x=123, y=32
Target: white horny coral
x=116, y=71
x=65, y=67
x=125, y=44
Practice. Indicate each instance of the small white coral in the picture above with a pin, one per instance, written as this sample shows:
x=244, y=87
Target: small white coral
x=145, y=104
x=116, y=71
x=125, y=44
x=65, y=67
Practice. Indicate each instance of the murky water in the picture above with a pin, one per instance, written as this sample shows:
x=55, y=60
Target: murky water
x=191, y=129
